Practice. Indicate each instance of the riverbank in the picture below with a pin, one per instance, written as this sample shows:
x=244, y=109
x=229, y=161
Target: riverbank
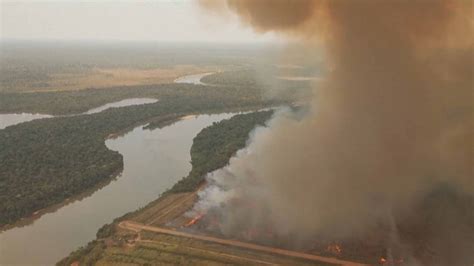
x=65, y=155
x=25, y=221
x=154, y=160
x=178, y=199
x=195, y=79
x=10, y=119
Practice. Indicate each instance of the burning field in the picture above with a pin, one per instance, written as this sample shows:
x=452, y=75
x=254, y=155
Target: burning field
x=380, y=169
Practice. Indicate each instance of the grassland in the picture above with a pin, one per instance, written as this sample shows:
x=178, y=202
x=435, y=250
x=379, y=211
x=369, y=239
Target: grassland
x=102, y=78
x=147, y=248
x=63, y=66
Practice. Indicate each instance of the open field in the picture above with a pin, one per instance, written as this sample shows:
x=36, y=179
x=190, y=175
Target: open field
x=167, y=209
x=306, y=258
x=65, y=66
x=156, y=235
x=169, y=247
x=101, y=78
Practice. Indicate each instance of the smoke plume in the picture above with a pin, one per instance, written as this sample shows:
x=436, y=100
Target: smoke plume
x=391, y=123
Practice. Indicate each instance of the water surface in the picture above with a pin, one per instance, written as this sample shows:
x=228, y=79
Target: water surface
x=122, y=103
x=153, y=161
x=193, y=79
x=7, y=120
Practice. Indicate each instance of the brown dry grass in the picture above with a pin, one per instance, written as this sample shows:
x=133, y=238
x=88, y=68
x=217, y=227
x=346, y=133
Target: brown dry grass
x=166, y=209
x=110, y=77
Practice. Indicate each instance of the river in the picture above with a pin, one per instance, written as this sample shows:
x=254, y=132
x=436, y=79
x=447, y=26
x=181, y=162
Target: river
x=154, y=160
x=122, y=103
x=193, y=79
x=7, y=120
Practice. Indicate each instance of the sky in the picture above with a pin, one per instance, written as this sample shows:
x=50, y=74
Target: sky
x=131, y=20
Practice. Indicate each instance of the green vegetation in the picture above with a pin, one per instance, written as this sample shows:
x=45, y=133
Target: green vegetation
x=212, y=148
x=215, y=145
x=73, y=102
x=88, y=255
x=266, y=78
x=245, y=77
x=46, y=161
x=170, y=250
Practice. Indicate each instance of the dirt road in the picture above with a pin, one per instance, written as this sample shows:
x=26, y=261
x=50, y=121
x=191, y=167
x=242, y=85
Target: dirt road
x=136, y=227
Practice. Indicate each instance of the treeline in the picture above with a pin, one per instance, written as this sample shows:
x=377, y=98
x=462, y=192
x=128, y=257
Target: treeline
x=45, y=161
x=243, y=77
x=215, y=145
x=240, y=83
x=212, y=148
x=75, y=102
x=265, y=79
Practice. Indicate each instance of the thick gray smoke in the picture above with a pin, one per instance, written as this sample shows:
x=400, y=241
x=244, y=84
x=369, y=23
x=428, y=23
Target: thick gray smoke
x=392, y=121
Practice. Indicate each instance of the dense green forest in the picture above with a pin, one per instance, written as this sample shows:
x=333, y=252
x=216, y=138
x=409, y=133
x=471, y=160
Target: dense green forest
x=46, y=161
x=73, y=102
x=212, y=148
x=214, y=145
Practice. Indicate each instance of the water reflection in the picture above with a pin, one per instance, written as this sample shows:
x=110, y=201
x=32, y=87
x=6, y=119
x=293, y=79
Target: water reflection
x=154, y=160
x=123, y=103
x=7, y=120
x=193, y=79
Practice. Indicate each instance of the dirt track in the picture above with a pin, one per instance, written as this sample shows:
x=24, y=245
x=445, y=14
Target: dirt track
x=137, y=227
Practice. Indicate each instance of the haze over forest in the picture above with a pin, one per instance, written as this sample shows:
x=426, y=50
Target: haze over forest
x=236, y=132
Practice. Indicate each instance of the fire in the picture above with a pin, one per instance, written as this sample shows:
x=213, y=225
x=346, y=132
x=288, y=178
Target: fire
x=384, y=261
x=194, y=220
x=334, y=249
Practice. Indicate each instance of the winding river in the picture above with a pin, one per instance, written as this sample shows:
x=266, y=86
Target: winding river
x=154, y=160
x=122, y=103
x=7, y=120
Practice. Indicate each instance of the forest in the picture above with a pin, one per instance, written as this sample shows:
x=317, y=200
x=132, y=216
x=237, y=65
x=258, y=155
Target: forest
x=75, y=102
x=214, y=145
x=211, y=149
x=46, y=161
x=268, y=77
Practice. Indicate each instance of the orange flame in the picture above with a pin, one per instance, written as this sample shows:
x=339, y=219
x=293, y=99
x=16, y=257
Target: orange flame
x=194, y=220
x=334, y=249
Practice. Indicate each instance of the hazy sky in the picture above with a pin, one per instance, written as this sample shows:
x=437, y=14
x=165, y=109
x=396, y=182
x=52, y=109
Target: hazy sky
x=157, y=20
